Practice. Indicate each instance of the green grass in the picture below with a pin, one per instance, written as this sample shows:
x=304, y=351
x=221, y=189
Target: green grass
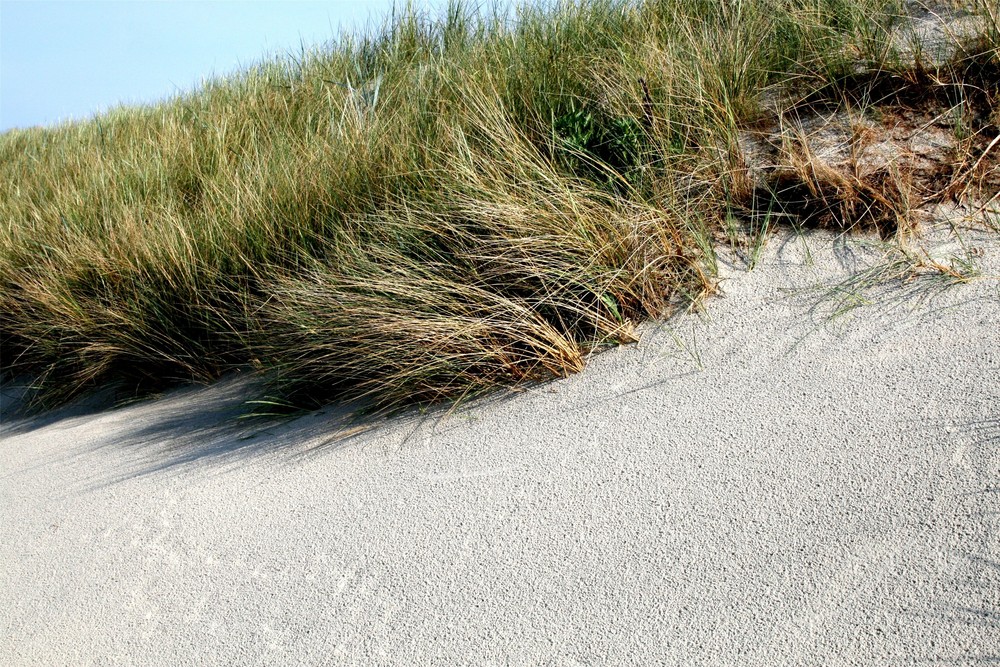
x=446, y=205
x=899, y=275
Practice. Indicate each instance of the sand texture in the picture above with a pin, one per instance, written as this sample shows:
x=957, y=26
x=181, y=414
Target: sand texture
x=780, y=480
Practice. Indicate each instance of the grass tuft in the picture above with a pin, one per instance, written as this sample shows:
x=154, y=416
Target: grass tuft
x=452, y=203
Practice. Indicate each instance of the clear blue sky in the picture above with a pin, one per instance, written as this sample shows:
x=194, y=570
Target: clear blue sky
x=62, y=60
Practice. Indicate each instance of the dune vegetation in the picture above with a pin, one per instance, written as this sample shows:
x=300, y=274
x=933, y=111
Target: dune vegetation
x=450, y=203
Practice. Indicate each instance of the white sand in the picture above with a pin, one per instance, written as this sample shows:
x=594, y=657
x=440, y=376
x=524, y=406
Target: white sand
x=782, y=490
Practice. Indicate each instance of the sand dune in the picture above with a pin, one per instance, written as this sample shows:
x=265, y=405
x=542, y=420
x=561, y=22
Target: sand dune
x=760, y=484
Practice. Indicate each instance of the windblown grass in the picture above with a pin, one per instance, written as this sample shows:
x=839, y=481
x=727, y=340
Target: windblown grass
x=440, y=207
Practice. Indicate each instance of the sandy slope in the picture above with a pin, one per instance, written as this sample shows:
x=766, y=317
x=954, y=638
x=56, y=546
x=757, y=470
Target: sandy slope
x=759, y=486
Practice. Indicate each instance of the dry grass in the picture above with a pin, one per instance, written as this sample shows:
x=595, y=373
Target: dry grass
x=448, y=205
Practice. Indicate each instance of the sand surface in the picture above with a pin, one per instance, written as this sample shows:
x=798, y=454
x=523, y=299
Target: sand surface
x=756, y=485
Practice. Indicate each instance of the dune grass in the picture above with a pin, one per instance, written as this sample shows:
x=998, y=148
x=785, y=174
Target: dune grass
x=444, y=205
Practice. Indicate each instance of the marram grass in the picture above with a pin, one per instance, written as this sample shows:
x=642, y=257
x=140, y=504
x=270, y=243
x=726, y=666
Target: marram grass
x=440, y=207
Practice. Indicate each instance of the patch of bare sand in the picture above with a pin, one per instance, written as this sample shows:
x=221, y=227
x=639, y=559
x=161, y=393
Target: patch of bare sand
x=805, y=474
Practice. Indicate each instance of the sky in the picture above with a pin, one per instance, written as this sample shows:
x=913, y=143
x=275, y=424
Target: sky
x=69, y=60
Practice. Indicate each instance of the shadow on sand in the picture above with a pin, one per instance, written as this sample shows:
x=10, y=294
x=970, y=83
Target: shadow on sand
x=209, y=428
